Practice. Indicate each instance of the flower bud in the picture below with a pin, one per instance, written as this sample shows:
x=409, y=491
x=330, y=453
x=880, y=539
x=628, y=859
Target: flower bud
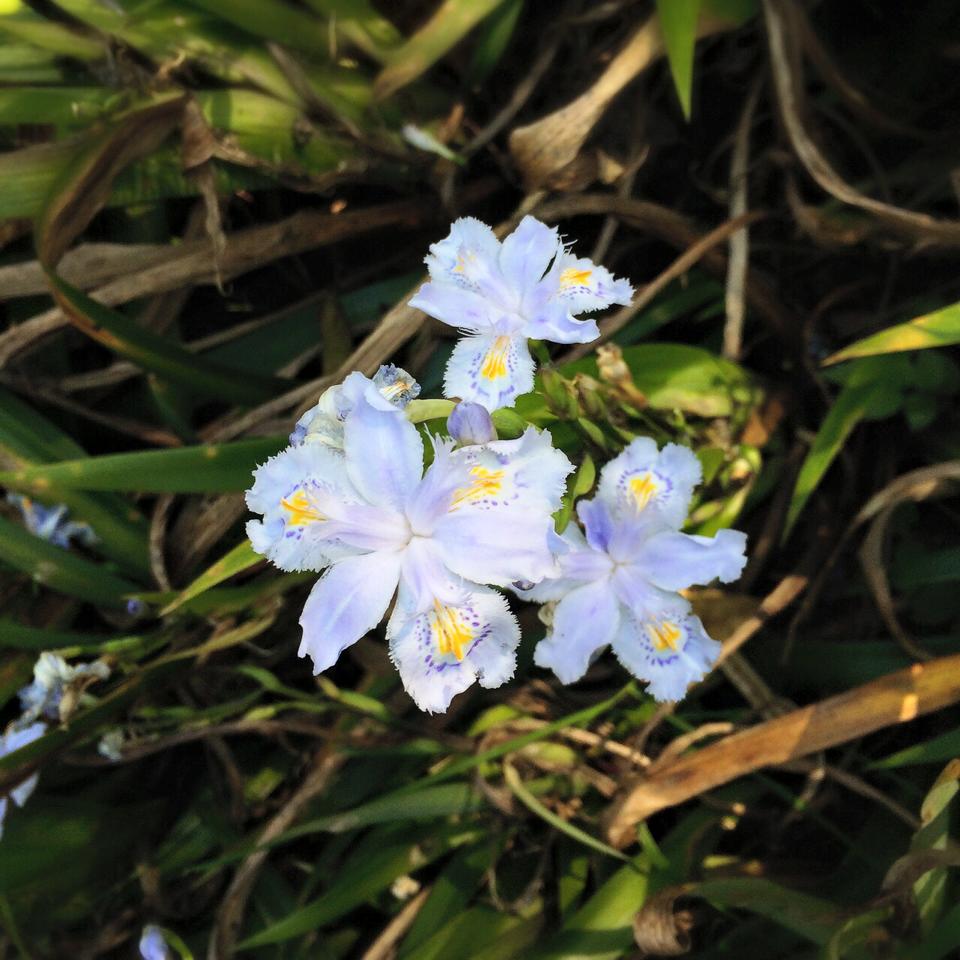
x=470, y=423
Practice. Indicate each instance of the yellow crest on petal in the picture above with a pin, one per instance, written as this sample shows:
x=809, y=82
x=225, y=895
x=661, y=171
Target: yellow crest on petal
x=451, y=633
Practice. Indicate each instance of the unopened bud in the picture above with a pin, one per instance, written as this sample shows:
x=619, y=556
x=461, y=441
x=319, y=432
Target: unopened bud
x=470, y=423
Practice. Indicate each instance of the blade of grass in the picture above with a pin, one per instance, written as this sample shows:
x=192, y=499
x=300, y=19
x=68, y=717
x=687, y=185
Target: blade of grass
x=212, y=468
x=444, y=30
x=938, y=329
x=61, y=570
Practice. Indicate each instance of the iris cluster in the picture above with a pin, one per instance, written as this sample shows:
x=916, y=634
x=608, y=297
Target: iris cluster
x=431, y=549
x=55, y=688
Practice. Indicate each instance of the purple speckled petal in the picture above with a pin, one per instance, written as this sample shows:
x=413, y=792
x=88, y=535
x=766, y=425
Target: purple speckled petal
x=492, y=370
x=441, y=652
x=669, y=652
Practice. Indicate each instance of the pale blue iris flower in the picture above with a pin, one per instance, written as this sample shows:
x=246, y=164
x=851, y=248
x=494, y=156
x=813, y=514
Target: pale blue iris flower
x=153, y=944
x=618, y=584
x=51, y=523
x=375, y=521
x=323, y=422
x=500, y=294
x=52, y=677
x=17, y=735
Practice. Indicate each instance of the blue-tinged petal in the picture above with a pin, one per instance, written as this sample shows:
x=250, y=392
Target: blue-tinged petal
x=468, y=259
x=425, y=578
x=669, y=652
x=575, y=563
x=383, y=454
x=439, y=653
x=456, y=306
x=581, y=285
x=437, y=490
x=347, y=602
x=526, y=254
x=489, y=370
x=468, y=236
x=528, y=471
x=16, y=737
x=641, y=476
x=496, y=547
x=152, y=944
x=551, y=320
x=645, y=599
x=300, y=492
x=584, y=622
x=675, y=561
x=598, y=523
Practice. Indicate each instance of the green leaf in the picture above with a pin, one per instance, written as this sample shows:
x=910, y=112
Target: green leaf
x=936, y=750
x=158, y=354
x=524, y=795
x=851, y=406
x=678, y=21
x=211, y=468
x=448, y=897
x=19, y=21
x=61, y=570
x=445, y=29
x=806, y=915
x=602, y=928
x=361, y=879
x=28, y=438
x=272, y=20
x=240, y=558
x=938, y=329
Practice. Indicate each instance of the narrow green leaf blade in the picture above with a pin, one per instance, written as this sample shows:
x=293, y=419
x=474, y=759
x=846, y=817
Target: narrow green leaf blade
x=678, y=21
x=938, y=329
x=211, y=468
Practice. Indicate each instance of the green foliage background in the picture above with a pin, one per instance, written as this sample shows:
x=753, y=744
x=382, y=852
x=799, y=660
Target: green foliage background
x=210, y=211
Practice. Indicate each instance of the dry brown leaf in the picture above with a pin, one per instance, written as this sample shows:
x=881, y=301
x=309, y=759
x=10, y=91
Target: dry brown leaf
x=659, y=929
x=895, y=698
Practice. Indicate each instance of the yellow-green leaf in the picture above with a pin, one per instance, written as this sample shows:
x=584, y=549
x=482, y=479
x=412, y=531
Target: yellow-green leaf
x=938, y=329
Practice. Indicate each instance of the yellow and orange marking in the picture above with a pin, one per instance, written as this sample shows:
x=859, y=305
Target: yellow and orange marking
x=450, y=631
x=643, y=488
x=495, y=362
x=664, y=635
x=484, y=483
x=301, y=510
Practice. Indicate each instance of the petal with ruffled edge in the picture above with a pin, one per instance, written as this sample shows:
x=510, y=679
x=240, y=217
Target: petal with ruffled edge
x=468, y=259
x=347, y=602
x=641, y=476
x=526, y=254
x=581, y=285
x=492, y=370
x=669, y=652
x=584, y=622
x=675, y=561
x=383, y=453
x=528, y=471
x=439, y=653
x=312, y=514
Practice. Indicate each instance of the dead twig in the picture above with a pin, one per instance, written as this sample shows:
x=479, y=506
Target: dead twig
x=786, y=64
